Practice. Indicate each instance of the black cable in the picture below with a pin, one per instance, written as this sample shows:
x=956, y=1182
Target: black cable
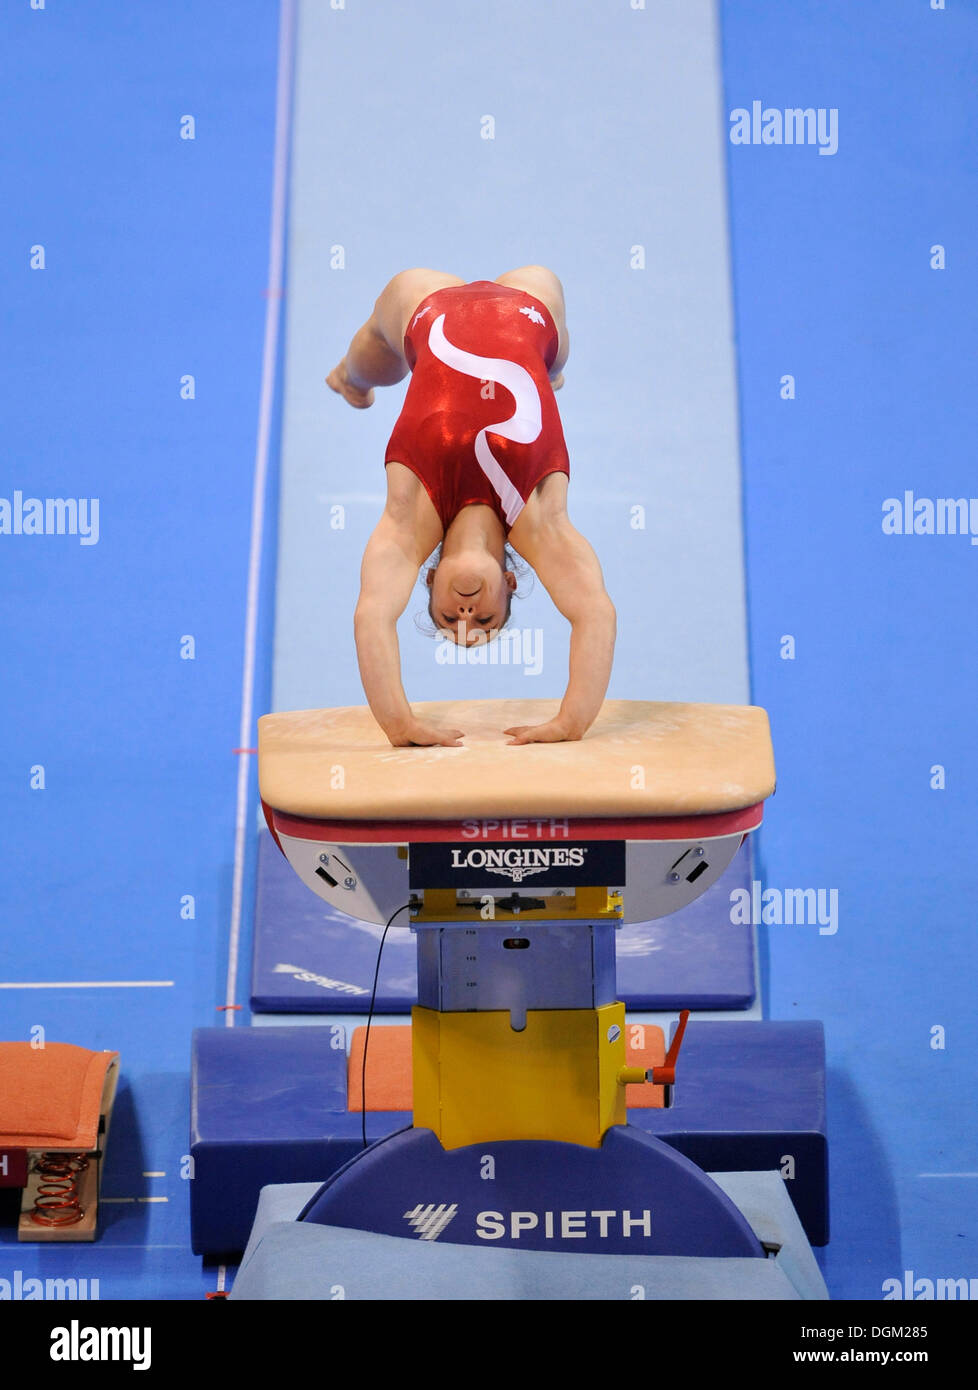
x=366, y=1036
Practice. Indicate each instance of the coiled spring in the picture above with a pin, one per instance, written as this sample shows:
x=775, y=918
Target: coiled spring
x=57, y=1202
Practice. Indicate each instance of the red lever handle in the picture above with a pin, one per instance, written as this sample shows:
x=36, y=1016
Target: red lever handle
x=666, y=1074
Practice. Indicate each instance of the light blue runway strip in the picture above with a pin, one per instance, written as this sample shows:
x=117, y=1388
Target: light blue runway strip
x=474, y=139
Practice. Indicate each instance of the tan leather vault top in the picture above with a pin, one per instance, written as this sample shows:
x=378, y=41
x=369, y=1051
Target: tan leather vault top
x=639, y=758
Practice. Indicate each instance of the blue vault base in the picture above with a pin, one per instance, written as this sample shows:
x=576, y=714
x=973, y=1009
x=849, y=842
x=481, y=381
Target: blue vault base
x=288, y=1259
x=269, y=1106
x=631, y=1193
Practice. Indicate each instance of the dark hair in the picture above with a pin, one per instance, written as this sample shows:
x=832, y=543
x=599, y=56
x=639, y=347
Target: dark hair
x=511, y=561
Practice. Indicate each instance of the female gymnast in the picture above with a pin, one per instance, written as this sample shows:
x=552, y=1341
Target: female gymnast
x=477, y=458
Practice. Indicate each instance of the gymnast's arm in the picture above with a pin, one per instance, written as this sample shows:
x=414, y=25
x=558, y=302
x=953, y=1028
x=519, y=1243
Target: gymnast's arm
x=387, y=576
x=569, y=570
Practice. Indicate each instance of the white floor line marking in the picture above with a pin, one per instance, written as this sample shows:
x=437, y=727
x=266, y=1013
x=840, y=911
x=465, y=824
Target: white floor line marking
x=273, y=310
x=105, y=1246
x=87, y=984
x=134, y=1199
x=947, y=1175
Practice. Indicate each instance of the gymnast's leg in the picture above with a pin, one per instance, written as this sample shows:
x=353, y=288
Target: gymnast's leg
x=376, y=355
x=544, y=285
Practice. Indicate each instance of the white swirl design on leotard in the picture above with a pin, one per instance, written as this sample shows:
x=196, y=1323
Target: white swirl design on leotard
x=522, y=427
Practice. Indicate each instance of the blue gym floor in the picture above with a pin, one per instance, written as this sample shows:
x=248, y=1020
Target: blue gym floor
x=154, y=364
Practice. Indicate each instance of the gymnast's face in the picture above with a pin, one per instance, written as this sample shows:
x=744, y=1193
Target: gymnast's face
x=469, y=596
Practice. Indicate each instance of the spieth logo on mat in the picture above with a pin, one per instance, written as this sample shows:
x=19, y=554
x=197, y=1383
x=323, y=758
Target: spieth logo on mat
x=563, y=1225
x=429, y=1221
x=518, y=864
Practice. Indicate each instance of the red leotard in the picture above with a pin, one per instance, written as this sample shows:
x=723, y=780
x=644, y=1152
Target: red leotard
x=480, y=422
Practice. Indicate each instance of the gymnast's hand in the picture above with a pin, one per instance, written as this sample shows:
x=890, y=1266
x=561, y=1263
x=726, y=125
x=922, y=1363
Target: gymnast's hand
x=415, y=733
x=554, y=731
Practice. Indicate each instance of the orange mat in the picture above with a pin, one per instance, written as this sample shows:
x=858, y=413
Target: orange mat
x=389, y=1085
x=50, y=1096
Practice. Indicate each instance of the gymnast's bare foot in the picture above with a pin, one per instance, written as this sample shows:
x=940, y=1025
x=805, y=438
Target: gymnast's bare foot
x=339, y=381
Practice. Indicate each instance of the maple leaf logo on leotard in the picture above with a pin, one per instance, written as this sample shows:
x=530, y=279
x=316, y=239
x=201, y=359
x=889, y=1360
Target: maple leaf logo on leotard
x=532, y=314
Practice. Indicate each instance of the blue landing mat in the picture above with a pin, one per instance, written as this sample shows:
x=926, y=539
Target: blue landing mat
x=286, y=1259
x=311, y=959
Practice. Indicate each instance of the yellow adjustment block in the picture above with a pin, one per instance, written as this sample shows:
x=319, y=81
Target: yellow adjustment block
x=586, y=904
x=477, y=1080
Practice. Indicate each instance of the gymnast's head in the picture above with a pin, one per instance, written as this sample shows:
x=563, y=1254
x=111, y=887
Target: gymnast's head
x=470, y=594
